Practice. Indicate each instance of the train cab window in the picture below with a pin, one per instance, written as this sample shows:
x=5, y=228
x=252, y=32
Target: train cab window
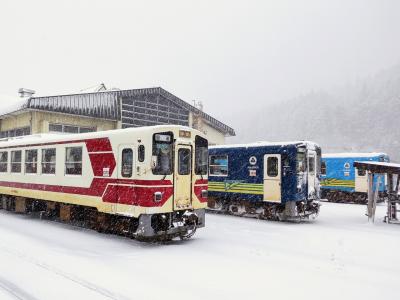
x=127, y=162
x=361, y=172
x=311, y=164
x=141, y=153
x=323, y=168
x=218, y=165
x=49, y=161
x=300, y=162
x=16, y=160
x=272, y=167
x=73, y=161
x=162, y=153
x=31, y=158
x=3, y=162
x=184, y=161
x=201, y=155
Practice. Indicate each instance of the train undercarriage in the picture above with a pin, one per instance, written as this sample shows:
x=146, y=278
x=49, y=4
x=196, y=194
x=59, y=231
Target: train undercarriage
x=349, y=197
x=148, y=227
x=290, y=211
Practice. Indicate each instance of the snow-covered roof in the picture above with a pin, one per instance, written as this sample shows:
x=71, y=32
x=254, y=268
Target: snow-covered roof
x=378, y=167
x=53, y=137
x=105, y=104
x=265, y=143
x=353, y=154
x=11, y=104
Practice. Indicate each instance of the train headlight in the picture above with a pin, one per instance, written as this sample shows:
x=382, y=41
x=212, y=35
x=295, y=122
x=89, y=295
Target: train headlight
x=157, y=196
x=204, y=193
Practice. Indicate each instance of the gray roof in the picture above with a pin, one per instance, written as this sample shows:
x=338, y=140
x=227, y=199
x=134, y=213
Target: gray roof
x=105, y=105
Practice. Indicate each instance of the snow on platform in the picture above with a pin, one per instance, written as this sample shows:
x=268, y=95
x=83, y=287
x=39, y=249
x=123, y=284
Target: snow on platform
x=338, y=256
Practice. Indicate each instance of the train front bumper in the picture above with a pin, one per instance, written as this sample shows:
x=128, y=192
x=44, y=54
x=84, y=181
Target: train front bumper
x=176, y=224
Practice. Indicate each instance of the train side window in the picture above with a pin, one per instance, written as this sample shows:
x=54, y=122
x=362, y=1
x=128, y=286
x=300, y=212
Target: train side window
x=16, y=160
x=361, y=172
x=218, y=165
x=31, y=158
x=127, y=162
x=73, y=161
x=3, y=162
x=323, y=168
x=184, y=161
x=141, y=153
x=272, y=167
x=49, y=161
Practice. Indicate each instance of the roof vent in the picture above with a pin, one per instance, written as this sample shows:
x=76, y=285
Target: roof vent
x=25, y=92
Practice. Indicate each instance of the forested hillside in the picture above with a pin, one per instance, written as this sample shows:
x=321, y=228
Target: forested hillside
x=363, y=116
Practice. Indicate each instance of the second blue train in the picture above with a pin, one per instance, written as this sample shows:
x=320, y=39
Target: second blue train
x=341, y=182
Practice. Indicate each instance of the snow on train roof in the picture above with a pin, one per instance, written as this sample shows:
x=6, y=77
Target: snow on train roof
x=353, y=154
x=265, y=143
x=53, y=137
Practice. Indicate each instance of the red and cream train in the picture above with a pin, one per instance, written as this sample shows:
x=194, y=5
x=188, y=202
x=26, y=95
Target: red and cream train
x=146, y=182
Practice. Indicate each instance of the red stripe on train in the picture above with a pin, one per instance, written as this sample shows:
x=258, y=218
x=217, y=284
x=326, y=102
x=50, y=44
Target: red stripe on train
x=93, y=145
x=199, y=186
x=133, y=195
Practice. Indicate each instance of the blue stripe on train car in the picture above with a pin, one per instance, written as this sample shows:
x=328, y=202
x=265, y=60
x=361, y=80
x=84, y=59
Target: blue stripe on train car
x=245, y=176
x=339, y=171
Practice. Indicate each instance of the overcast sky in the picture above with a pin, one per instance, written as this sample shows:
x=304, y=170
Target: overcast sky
x=231, y=55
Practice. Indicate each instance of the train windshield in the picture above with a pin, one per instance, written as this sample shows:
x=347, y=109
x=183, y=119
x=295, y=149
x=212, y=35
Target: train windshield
x=201, y=156
x=301, y=161
x=163, y=152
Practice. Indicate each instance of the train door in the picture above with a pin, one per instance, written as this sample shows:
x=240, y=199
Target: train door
x=272, y=177
x=183, y=177
x=361, y=181
x=312, y=172
x=125, y=171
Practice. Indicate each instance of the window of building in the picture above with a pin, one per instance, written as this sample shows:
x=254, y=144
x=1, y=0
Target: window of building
x=49, y=161
x=127, y=162
x=218, y=165
x=16, y=132
x=65, y=128
x=86, y=129
x=141, y=153
x=3, y=162
x=201, y=156
x=272, y=166
x=16, y=159
x=73, y=161
x=71, y=129
x=31, y=161
x=323, y=168
x=184, y=161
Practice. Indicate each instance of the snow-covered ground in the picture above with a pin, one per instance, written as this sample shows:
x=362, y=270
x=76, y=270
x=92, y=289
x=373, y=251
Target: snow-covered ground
x=338, y=256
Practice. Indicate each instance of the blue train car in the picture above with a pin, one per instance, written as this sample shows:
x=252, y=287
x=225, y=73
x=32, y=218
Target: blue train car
x=278, y=181
x=341, y=182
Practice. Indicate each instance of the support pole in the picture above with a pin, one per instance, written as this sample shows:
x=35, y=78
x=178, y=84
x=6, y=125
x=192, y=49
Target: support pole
x=370, y=195
x=376, y=194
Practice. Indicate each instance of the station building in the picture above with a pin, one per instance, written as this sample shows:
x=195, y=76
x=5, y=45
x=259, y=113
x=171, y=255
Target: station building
x=105, y=110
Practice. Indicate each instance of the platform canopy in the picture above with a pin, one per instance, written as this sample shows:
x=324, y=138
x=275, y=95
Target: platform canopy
x=378, y=167
x=392, y=171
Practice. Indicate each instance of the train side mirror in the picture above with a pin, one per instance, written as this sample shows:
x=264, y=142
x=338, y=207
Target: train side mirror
x=153, y=162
